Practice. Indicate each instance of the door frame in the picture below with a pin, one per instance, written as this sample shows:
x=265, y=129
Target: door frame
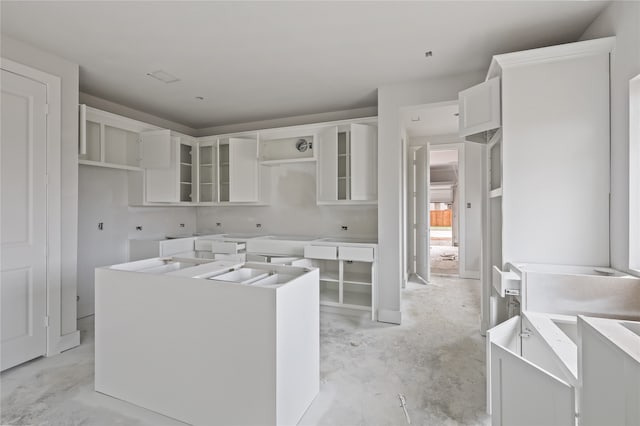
x=449, y=146
x=53, y=195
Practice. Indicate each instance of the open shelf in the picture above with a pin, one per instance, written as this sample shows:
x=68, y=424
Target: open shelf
x=286, y=150
x=495, y=193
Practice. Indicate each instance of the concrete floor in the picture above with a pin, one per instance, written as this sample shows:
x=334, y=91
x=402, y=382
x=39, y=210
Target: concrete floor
x=435, y=359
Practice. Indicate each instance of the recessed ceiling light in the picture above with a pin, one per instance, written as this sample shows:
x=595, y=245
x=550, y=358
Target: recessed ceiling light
x=200, y=98
x=163, y=76
x=428, y=53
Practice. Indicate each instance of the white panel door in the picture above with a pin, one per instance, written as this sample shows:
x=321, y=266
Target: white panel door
x=364, y=162
x=243, y=170
x=327, y=172
x=23, y=219
x=423, y=268
x=479, y=108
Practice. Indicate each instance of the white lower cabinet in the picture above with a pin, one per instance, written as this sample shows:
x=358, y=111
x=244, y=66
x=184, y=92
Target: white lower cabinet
x=347, y=276
x=534, y=376
x=219, y=343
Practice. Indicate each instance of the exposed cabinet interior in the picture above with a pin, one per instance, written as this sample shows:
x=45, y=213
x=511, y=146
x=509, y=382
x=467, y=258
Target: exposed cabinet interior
x=107, y=142
x=344, y=165
x=223, y=167
x=347, y=277
x=207, y=172
x=187, y=174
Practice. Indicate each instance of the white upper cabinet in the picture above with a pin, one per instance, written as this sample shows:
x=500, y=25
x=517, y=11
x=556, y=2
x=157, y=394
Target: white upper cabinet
x=107, y=140
x=156, y=149
x=238, y=163
x=171, y=180
x=327, y=172
x=347, y=164
x=479, y=108
x=364, y=162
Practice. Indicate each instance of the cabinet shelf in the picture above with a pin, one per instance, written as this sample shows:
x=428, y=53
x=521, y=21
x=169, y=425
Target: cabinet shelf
x=329, y=276
x=185, y=164
x=359, y=278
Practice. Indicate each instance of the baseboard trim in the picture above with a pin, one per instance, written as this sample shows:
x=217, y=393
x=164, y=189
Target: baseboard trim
x=391, y=317
x=69, y=341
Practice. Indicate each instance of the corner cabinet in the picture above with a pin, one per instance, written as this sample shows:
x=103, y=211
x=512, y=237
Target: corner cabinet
x=347, y=167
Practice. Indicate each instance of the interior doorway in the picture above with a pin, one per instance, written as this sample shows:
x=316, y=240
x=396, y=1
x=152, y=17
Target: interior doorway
x=444, y=239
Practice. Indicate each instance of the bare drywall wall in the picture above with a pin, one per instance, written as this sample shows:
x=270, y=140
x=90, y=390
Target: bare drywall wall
x=292, y=210
x=620, y=19
x=390, y=184
x=68, y=72
x=103, y=198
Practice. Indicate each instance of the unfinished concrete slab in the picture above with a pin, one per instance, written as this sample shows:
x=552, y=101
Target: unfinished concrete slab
x=435, y=359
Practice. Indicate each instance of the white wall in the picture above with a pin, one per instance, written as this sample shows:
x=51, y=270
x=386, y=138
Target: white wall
x=68, y=72
x=103, y=197
x=390, y=212
x=292, y=210
x=620, y=19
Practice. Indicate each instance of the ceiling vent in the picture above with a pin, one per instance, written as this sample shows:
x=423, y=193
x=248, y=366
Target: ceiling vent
x=163, y=76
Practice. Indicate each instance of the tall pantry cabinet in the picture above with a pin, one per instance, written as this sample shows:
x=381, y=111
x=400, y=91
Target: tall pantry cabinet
x=544, y=117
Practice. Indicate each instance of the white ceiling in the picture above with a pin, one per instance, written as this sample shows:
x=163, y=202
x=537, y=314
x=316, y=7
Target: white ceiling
x=261, y=60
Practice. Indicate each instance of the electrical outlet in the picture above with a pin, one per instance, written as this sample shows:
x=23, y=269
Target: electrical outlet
x=218, y=224
x=182, y=225
x=101, y=226
x=258, y=225
x=345, y=227
x=139, y=228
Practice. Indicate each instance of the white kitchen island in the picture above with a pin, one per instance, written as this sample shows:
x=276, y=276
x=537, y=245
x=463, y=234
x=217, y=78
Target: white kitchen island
x=209, y=343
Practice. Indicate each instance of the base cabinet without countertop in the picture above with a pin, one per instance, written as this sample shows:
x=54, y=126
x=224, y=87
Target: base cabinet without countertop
x=220, y=343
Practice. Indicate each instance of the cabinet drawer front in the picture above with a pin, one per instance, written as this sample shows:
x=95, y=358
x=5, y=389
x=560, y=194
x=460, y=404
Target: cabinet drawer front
x=226, y=247
x=362, y=254
x=167, y=248
x=321, y=252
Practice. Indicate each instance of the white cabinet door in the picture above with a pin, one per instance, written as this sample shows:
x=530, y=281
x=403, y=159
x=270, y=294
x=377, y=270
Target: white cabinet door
x=156, y=149
x=518, y=391
x=243, y=170
x=364, y=162
x=327, y=172
x=525, y=394
x=507, y=336
x=163, y=184
x=23, y=293
x=479, y=108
